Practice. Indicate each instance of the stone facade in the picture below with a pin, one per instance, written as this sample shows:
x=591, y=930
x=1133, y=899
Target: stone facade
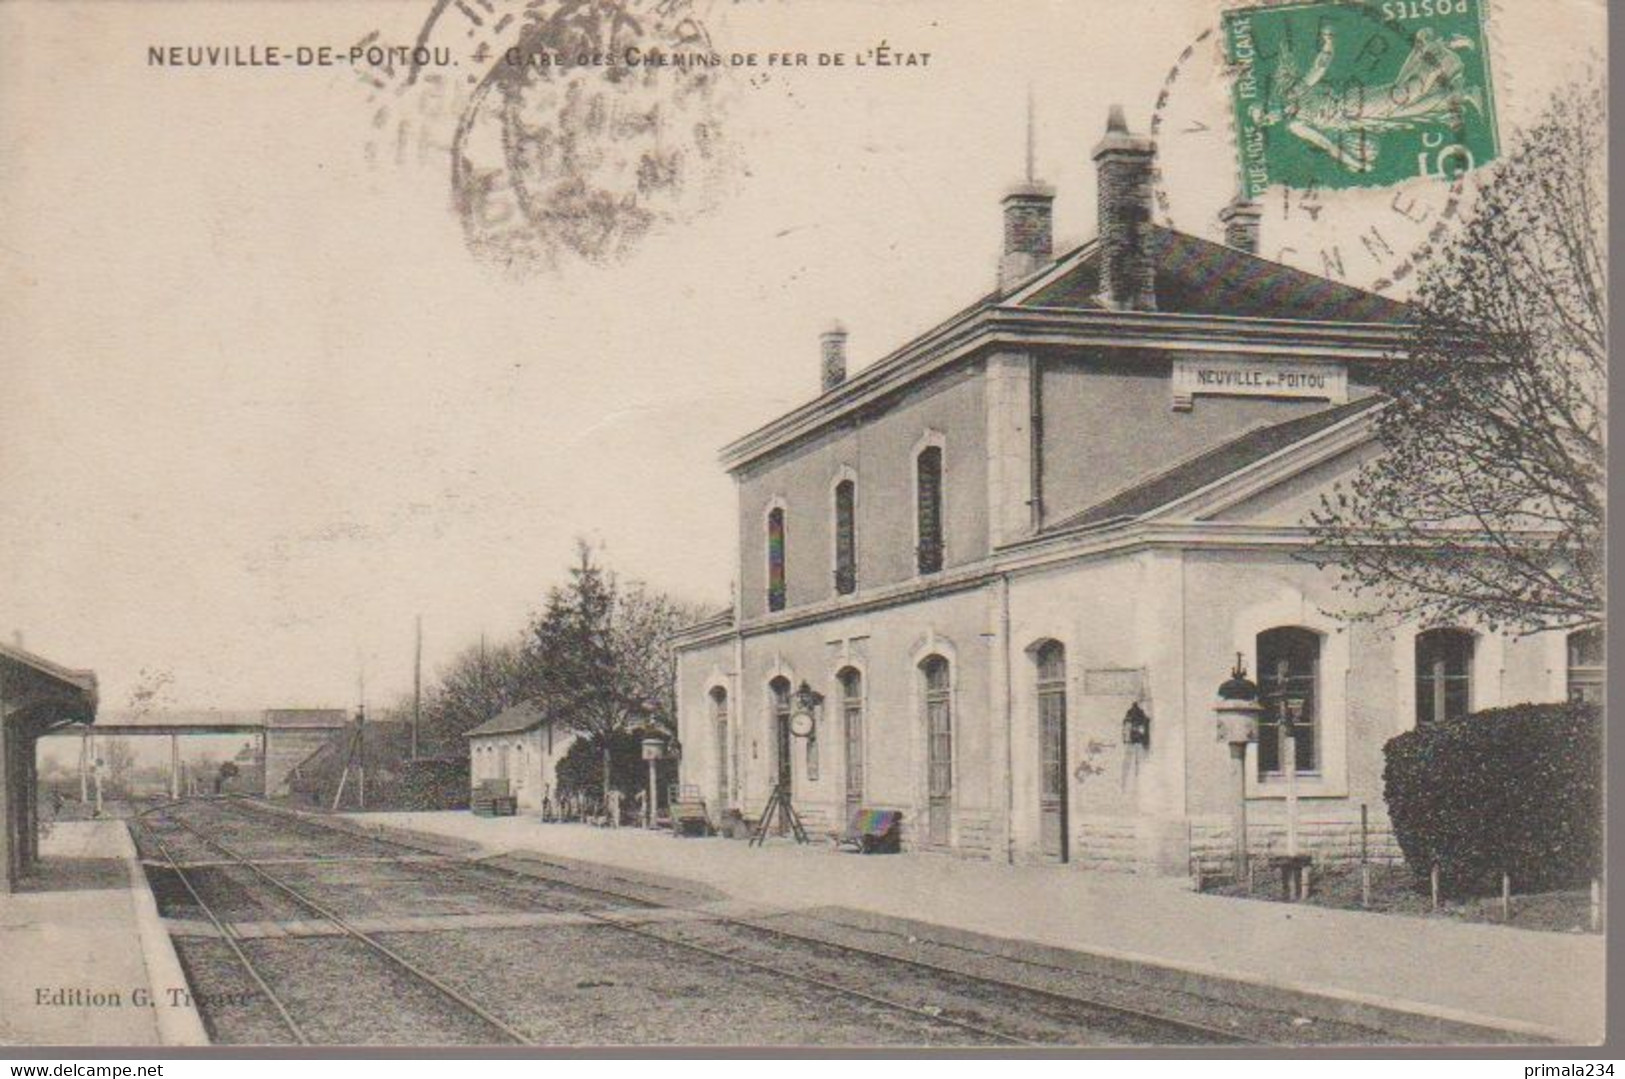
x=1104, y=547
x=526, y=759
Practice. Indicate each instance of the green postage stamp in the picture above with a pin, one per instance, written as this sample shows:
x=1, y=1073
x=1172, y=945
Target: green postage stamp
x=1359, y=94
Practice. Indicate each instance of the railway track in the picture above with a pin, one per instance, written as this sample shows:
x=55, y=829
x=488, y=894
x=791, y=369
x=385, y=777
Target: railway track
x=401, y=963
x=1001, y=993
x=229, y=935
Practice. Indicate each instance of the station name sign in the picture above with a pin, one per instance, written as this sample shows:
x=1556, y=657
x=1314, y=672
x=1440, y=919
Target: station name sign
x=1231, y=376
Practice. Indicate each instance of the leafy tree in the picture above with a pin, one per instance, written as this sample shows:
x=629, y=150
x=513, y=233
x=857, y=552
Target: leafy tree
x=573, y=660
x=600, y=659
x=1487, y=504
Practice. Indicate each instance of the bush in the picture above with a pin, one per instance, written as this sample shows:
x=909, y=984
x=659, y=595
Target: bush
x=394, y=780
x=1515, y=790
x=580, y=771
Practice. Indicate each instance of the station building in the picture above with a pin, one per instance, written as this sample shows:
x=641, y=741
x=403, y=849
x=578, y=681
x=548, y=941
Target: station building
x=1080, y=497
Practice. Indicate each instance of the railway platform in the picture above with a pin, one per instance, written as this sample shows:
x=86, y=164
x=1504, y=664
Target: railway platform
x=1434, y=976
x=84, y=950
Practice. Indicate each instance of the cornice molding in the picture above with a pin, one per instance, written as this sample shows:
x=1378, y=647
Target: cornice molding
x=1159, y=334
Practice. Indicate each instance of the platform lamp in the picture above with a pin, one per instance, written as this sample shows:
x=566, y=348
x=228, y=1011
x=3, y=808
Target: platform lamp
x=653, y=749
x=1237, y=711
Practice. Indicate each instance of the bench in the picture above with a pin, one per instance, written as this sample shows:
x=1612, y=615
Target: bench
x=875, y=831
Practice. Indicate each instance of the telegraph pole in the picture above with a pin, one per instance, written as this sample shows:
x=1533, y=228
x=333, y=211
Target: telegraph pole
x=417, y=688
x=361, y=756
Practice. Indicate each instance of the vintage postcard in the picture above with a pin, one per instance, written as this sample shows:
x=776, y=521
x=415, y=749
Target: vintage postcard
x=803, y=524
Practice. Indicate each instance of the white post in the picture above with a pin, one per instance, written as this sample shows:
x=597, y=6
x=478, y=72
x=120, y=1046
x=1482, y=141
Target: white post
x=96, y=763
x=1291, y=766
x=175, y=767
x=1238, y=828
x=649, y=806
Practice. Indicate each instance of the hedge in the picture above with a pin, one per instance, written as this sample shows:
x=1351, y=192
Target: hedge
x=1507, y=790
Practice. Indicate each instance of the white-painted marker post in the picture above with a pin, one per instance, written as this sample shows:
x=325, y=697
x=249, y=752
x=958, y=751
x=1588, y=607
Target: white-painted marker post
x=1433, y=880
x=1365, y=859
x=1506, y=897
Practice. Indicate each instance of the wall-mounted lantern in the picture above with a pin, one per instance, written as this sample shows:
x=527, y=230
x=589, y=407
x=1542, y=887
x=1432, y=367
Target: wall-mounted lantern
x=1136, y=727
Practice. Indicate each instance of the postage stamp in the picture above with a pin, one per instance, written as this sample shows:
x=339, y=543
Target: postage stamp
x=1332, y=94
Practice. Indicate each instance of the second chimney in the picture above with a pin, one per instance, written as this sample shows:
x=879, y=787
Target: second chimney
x=1029, y=232
x=1124, y=164
x=1240, y=220
x=832, y=353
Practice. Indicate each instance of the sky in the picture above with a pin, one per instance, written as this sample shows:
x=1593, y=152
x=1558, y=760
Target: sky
x=264, y=407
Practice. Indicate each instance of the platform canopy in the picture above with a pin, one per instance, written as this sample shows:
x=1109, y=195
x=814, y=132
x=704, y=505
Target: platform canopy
x=41, y=695
x=37, y=697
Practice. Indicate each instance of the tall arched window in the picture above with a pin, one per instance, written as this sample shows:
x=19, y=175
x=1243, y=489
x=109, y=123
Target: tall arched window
x=846, y=537
x=852, y=735
x=779, y=688
x=719, y=715
x=1288, y=677
x=1051, y=663
x=939, y=727
x=928, y=493
x=1587, y=650
x=1444, y=674
x=776, y=590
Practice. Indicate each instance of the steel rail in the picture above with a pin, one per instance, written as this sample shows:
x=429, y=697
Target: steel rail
x=228, y=933
x=1122, y=1011
x=716, y=953
x=449, y=992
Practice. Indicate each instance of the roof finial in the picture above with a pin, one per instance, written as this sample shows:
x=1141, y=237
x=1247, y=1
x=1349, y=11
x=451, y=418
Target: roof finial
x=1031, y=142
x=1115, y=120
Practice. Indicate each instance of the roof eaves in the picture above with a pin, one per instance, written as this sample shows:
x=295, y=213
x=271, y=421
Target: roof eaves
x=1352, y=412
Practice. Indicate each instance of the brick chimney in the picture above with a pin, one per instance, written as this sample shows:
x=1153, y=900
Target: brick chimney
x=1029, y=232
x=832, y=352
x=1124, y=163
x=1240, y=220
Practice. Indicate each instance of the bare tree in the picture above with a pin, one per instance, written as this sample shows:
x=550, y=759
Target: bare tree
x=482, y=680
x=118, y=758
x=1487, y=504
x=644, y=624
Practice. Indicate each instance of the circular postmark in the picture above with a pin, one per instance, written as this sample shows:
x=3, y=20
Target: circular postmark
x=1353, y=125
x=569, y=128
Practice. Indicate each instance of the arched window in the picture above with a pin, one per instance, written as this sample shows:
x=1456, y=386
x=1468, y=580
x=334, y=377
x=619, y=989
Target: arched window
x=928, y=493
x=1288, y=677
x=1444, y=674
x=1587, y=651
x=852, y=735
x=939, y=727
x=846, y=537
x=1050, y=660
x=719, y=716
x=776, y=590
x=779, y=689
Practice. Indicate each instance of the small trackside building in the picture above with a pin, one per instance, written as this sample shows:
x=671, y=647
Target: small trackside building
x=1084, y=493
x=522, y=746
